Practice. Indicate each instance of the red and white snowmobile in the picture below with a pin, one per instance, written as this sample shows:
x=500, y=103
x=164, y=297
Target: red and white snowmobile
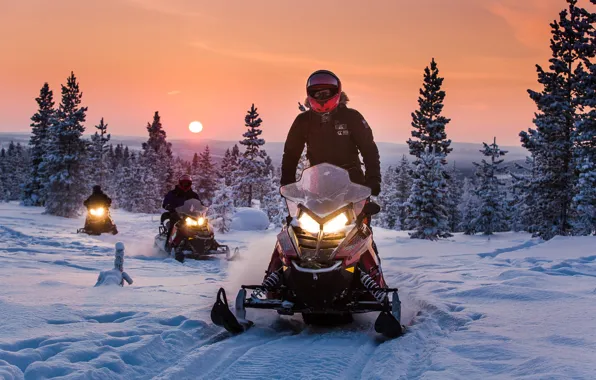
x=324, y=265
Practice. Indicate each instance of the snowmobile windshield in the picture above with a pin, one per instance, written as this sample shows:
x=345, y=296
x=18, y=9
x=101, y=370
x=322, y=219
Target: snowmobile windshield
x=193, y=208
x=323, y=189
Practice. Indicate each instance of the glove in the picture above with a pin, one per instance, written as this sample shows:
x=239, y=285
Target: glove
x=375, y=187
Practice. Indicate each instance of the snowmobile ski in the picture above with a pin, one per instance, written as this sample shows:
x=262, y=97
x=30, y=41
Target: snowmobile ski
x=221, y=315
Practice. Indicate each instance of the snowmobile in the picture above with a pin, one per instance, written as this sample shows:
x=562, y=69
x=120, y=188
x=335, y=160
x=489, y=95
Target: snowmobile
x=192, y=236
x=329, y=269
x=98, y=221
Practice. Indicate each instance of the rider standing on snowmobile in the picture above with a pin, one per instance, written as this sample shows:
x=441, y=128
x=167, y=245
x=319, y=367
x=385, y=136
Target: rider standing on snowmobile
x=332, y=133
x=176, y=198
x=98, y=198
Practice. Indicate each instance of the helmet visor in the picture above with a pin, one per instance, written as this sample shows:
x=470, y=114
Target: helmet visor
x=322, y=79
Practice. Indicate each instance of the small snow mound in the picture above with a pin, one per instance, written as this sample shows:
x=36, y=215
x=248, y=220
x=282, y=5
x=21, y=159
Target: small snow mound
x=109, y=278
x=249, y=219
x=9, y=371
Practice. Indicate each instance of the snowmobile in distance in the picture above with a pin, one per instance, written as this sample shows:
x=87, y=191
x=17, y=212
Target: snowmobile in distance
x=329, y=269
x=192, y=236
x=98, y=221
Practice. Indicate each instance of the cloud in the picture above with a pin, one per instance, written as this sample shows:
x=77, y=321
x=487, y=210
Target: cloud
x=396, y=71
x=528, y=19
x=174, y=92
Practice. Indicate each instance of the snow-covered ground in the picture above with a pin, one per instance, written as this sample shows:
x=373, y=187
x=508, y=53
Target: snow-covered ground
x=509, y=307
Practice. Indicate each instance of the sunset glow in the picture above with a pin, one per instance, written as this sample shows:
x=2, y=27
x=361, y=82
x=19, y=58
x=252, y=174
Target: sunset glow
x=183, y=58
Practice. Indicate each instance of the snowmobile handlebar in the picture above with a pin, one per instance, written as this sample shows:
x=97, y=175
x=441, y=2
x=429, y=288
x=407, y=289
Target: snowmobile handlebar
x=370, y=208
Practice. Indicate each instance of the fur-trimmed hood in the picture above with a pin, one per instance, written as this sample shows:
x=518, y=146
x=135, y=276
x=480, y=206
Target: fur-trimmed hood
x=343, y=99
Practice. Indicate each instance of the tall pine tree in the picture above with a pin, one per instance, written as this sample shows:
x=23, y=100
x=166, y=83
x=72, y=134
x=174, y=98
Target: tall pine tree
x=454, y=186
x=468, y=207
x=584, y=142
x=491, y=215
x=99, y=148
x=551, y=142
x=66, y=154
x=157, y=162
x=34, y=189
x=524, y=200
x=426, y=205
x=429, y=124
x=389, y=216
x=252, y=163
x=431, y=139
x=403, y=187
x=207, y=181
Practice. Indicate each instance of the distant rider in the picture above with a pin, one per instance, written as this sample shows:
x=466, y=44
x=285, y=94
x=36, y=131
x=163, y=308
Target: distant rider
x=98, y=198
x=176, y=198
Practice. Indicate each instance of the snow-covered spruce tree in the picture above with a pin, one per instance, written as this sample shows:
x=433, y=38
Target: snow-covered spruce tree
x=426, y=205
x=584, y=142
x=303, y=164
x=491, y=216
x=66, y=155
x=252, y=162
x=454, y=187
x=3, y=174
x=273, y=203
x=207, y=178
x=194, y=168
x=551, y=143
x=14, y=171
x=429, y=130
x=429, y=124
x=157, y=161
x=389, y=216
x=586, y=197
x=225, y=168
x=181, y=167
x=222, y=210
x=134, y=181
x=468, y=207
x=33, y=191
x=523, y=201
x=98, y=165
x=403, y=187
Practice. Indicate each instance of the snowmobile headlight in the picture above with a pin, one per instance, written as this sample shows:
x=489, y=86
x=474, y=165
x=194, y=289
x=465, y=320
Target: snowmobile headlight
x=201, y=221
x=309, y=224
x=191, y=222
x=334, y=225
x=99, y=211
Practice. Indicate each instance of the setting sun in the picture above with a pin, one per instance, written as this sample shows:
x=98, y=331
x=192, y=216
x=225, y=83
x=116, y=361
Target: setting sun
x=195, y=127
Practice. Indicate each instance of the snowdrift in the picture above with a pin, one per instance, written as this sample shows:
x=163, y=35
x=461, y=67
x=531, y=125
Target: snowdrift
x=249, y=219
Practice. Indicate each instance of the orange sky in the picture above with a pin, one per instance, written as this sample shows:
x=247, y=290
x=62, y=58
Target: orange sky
x=209, y=60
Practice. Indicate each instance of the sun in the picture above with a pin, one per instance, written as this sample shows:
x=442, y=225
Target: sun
x=195, y=127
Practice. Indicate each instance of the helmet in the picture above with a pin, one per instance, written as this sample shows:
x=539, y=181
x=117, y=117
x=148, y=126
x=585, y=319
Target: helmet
x=185, y=182
x=96, y=189
x=323, y=89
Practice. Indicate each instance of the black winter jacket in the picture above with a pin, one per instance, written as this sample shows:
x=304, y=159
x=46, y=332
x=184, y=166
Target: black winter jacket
x=98, y=199
x=176, y=198
x=335, y=138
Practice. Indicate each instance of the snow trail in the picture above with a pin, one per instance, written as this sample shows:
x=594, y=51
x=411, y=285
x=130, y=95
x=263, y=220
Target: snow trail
x=475, y=309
